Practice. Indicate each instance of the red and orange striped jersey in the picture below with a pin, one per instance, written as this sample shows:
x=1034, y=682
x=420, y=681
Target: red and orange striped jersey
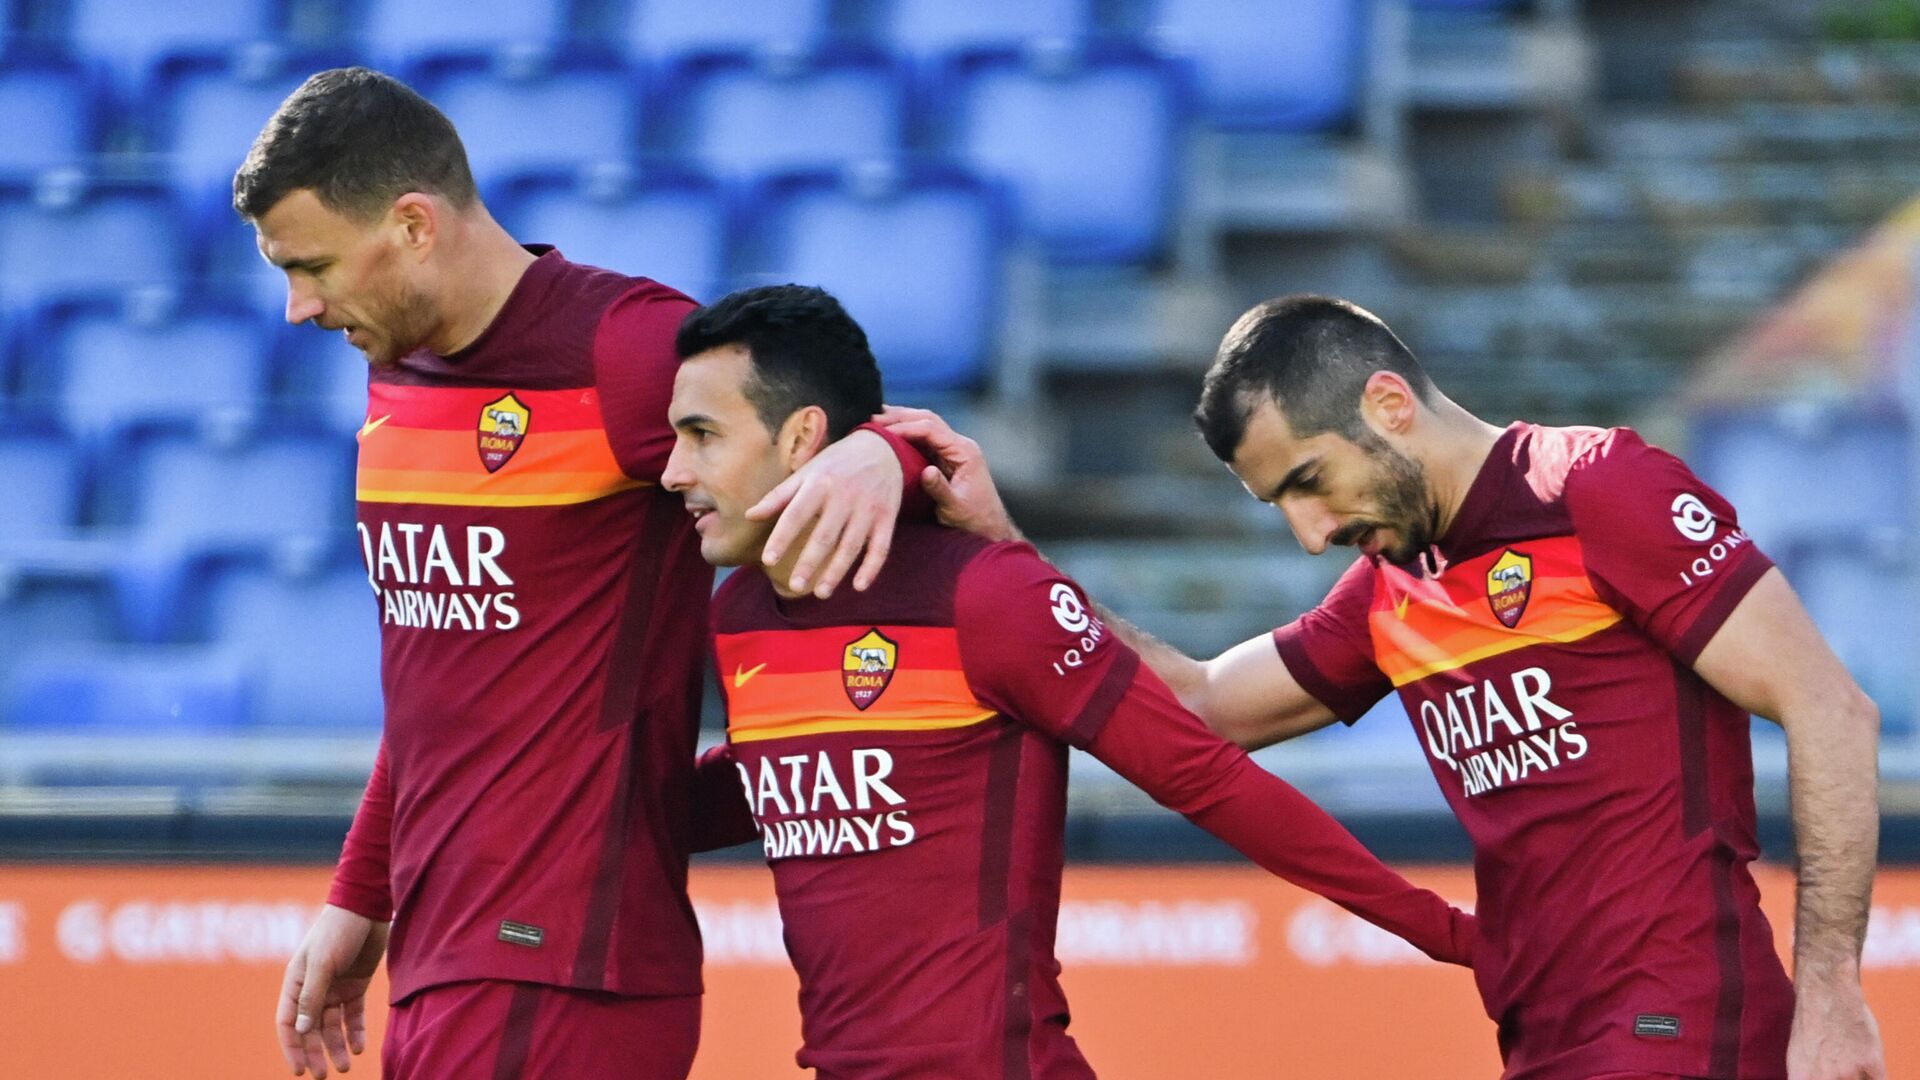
x=903, y=752
x=1607, y=788
x=541, y=602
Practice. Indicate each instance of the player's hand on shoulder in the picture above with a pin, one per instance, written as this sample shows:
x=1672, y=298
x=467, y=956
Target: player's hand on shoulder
x=1834, y=1036
x=962, y=489
x=849, y=495
x=321, y=1018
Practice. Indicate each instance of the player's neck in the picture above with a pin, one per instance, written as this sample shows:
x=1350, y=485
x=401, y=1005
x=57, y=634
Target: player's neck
x=1457, y=448
x=489, y=265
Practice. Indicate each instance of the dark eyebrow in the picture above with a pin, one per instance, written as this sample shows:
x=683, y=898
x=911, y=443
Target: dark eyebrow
x=692, y=420
x=297, y=264
x=1292, y=480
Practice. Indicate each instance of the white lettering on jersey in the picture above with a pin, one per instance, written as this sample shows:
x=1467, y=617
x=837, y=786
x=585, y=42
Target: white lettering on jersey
x=802, y=808
x=413, y=584
x=1490, y=743
x=1705, y=566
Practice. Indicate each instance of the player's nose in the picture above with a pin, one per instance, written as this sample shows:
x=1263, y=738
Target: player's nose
x=1312, y=525
x=676, y=476
x=302, y=307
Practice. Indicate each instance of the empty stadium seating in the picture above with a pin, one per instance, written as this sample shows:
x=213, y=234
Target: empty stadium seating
x=205, y=110
x=916, y=259
x=112, y=366
x=1086, y=142
x=187, y=493
x=933, y=28
x=133, y=692
x=396, y=31
x=667, y=225
x=1846, y=587
x=132, y=38
x=740, y=115
x=1809, y=475
x=1290, y=65
x=55, y=100
x=543, y=113
x=308, y=645
x=63, y=237
x=43, y=496
x=668, y=28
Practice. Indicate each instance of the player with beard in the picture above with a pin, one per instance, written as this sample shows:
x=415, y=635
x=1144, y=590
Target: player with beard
x=904, y=749
x=542, y=607
x=1578, y=628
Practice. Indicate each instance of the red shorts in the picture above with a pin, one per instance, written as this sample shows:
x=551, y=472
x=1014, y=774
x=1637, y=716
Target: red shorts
x=497, y=1030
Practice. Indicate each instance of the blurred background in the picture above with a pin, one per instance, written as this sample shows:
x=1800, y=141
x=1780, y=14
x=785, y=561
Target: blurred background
x=1696, y=217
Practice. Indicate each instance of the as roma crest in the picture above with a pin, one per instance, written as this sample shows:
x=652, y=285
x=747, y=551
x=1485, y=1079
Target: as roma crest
x=1509, y=585
x=867, y=667
x=503, y=427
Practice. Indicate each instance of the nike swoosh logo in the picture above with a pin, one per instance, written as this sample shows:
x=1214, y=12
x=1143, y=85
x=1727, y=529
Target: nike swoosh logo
x=1400, y=608
x=740, y=676
x=367, y=428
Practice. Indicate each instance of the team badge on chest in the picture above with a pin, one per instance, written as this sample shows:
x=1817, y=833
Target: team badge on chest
x=503, y=427
x=867, y=667
x=1509, y=585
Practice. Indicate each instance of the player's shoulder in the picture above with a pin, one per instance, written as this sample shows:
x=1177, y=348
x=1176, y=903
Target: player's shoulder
x=1571, y=463
x=743, y=601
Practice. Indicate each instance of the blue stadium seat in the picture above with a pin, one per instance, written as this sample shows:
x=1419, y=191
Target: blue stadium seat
x=132, y=38
x=57, y=103
x=42, y=616
x=228, y=263
x=935, y=27
x=396, y=31
x=187, y=494
x=323, y=379
x=746, y=117
x=43, y=488
x=666, y=226
x=916, y=260
x=661, y=29
x=63, y=238
x=1279, y=65
x=1792, y=476
x=117, y=366
x=311, y=645
x=515, y=118
x=129, y=691
x=206, y=110
x=1865, y=602
x=1086, y=143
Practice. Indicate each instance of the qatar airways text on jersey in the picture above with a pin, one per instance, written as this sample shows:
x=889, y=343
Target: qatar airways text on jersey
x=434, y=577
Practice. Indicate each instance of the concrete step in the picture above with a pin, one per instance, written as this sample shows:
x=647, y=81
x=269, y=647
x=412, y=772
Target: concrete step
x=1795, y=72
x=1767, y=133
x=1681, y=193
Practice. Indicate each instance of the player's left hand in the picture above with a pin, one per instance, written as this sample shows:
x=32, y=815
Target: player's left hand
x=849, y=495
x=1834, y=1036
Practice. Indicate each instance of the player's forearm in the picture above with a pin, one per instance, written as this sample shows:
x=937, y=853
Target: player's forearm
x=1184, y=675
x=362, y=880
x=1172, y=757
x=1833, y=771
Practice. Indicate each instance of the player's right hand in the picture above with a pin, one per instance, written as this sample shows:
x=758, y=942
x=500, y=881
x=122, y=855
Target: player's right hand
x=322, y=1015
x=963, y=493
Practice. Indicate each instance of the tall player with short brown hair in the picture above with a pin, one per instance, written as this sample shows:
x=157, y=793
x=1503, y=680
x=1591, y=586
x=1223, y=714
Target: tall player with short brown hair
x=1578, y=628
x=542, y=609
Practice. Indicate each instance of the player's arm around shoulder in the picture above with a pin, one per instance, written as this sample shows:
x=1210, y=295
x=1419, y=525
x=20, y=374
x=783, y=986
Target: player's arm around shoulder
x=1246, y=694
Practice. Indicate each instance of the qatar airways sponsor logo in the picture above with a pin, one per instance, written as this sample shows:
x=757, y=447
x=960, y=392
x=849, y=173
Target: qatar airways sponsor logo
x=432, y=577
x=1495, y=734
x=806, y=805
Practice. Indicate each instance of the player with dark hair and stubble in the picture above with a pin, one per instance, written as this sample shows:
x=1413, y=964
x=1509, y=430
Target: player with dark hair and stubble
x=1578, y=628
x=903, y=750
x=542, y=608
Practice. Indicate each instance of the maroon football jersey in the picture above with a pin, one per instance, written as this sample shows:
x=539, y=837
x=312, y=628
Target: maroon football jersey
x=904, y=754
x=1607, y=788
x=528, y=817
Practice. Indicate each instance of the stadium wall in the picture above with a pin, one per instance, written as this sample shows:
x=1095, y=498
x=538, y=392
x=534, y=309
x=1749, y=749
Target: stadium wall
x=169, y=973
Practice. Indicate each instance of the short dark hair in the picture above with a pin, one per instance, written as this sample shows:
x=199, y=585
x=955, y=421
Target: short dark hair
x=1313, y=356
x=805, y=349
x=359, y=139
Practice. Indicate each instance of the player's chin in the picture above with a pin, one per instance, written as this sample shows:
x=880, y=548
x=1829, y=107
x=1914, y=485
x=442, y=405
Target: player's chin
x=717, y=549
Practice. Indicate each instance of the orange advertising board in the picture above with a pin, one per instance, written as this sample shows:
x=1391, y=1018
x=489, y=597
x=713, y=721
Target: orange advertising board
x=169, y=973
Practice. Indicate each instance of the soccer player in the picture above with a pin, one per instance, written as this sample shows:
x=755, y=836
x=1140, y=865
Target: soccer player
x=1578, y=628
x=904, y=749
x=542, y=612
